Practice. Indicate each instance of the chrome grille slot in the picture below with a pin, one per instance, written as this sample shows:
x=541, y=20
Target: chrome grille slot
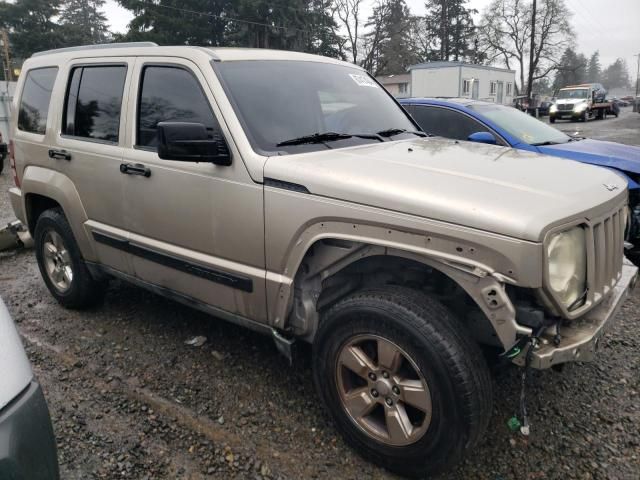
x=608, y=238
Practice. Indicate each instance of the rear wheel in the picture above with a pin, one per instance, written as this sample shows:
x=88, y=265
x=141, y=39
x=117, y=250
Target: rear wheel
x=406, y=386
x=61, y=264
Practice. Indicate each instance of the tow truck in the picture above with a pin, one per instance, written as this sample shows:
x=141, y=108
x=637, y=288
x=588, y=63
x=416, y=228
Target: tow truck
x=580, y=102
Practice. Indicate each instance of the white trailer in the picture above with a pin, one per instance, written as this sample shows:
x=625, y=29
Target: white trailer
x=459, y=79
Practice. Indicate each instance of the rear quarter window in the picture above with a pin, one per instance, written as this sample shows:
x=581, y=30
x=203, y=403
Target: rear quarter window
x=35, y=99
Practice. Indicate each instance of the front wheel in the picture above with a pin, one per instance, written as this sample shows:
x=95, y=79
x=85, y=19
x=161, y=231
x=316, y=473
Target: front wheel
x=552, y=119
x=404, y=383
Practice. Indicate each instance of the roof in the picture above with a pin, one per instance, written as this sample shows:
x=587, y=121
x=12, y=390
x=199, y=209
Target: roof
x=391, y=79
x=443, y=64
x=222, y=54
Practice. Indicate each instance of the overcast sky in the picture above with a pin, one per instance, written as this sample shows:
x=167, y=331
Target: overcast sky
x=612, y=27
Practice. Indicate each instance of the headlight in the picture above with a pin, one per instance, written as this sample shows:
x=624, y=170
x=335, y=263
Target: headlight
x=553, y=108
x=580, y=107
x=567, y=257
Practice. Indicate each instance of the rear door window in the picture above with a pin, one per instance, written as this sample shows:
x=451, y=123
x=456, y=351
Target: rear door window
x=94, y=102
x=36, y=96
x=170, y=94
x=446, y=123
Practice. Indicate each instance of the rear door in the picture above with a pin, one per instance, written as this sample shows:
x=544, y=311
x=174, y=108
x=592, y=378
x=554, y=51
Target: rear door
x=195, y=228
x=91, y=135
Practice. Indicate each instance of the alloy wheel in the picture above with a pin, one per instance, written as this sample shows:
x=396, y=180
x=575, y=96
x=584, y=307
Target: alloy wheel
x=382, y=390
x=57, y=261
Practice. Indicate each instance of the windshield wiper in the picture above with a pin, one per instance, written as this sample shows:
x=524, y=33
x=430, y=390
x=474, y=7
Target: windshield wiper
x=327, y=137
x=396, y=131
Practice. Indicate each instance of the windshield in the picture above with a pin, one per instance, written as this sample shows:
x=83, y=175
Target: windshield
x=278, y=101
x=522, y=126
x=574, y=93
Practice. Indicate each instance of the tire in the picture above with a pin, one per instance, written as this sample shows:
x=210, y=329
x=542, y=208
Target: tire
x=552, y=120
x=64, y=272
x=1, y=162
x=435, y=347
x=585, y=116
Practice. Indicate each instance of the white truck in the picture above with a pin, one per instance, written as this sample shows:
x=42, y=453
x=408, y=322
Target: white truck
x=580, y=102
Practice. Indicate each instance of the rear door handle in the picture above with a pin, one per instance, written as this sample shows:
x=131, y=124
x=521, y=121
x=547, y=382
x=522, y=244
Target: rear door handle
x=135, y=169
x=60, y=154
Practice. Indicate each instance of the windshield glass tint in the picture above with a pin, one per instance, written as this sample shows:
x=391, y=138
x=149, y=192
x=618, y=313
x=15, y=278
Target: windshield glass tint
x=282, y=100
x=577, y=93
x=522, y=126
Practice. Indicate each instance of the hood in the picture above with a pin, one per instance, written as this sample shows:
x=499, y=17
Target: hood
x=596, y=152
x=564, y=101
x=15, y=370
x=496, y=189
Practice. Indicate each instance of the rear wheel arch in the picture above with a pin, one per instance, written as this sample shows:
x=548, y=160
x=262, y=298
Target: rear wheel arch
x=44, y=189
x=36, y=205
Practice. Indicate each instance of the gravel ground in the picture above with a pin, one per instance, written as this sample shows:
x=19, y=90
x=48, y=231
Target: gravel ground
x=130, y=400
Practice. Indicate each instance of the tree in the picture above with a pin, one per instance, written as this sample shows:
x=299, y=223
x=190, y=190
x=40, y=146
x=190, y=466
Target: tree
x=83, y=23
x=594, y=71
x=454, y=29
x=189, y=22
x=616, y=75
x=347, y=13
x=31, y=26
x=299, y=25
x=571, y=70
x=302, y=25
x=505, y=34
x=388, y=47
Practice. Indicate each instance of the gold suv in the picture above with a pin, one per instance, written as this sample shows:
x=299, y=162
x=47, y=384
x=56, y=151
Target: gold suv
x=291, y=194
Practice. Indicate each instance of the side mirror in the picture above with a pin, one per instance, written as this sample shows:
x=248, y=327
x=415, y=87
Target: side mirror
x=483, y=137
x=190, y=142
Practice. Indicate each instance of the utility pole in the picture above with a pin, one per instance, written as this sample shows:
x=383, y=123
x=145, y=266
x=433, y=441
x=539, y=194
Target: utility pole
x=638, y=75
x=531, y=49
x=5, y=48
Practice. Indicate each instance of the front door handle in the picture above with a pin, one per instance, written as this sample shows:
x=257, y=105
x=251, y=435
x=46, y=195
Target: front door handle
x=135, y=169
x=60, y=154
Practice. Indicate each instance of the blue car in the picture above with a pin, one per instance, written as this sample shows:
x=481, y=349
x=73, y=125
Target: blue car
x=485, y=122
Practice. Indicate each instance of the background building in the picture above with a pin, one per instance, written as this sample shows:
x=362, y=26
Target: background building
x=397, y=85
x=453, y=79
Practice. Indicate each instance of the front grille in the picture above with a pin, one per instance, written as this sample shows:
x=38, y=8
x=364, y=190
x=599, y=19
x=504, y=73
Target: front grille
x=565, y=107
x=608, y=251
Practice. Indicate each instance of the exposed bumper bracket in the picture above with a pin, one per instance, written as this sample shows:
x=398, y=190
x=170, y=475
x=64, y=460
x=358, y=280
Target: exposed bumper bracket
x=580, y=338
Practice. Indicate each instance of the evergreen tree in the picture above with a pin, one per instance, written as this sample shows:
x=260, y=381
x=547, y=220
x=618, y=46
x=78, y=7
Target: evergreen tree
x=572, y=69
x=30, y=25
x=390, y=49
x=173, y=22
x=616, y=75
x=83, y=23
x=454, y=31
x=594, y=71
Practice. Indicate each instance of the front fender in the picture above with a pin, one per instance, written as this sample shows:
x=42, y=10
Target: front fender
x=58, y=187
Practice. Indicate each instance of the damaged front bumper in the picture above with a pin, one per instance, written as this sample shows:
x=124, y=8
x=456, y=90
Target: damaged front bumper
x=579, y=338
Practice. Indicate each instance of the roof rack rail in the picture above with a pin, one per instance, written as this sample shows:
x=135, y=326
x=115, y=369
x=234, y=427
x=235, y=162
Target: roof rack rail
x=95, y=47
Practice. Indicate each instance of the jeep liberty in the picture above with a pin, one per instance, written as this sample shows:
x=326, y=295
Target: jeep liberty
x=291, y=194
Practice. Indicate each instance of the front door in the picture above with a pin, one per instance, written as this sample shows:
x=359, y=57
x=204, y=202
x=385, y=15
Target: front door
x=195, y=228
x=500, y=92
x=475, y=90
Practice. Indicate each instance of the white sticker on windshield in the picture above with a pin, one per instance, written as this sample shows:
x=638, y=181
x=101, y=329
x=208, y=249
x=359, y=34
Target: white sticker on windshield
x=363, y=80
